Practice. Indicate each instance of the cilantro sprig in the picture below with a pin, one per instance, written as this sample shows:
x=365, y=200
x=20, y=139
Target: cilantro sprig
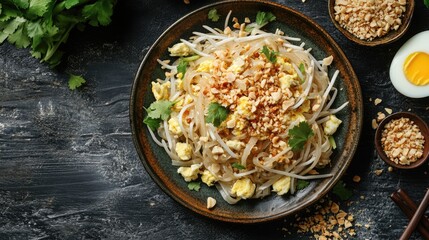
x=194, y=186
x=426, y=2
x=270, y=54
x=182, y=66
x=75, y=81
x=341, y=191
x=299, y=135
x=213, y=15
x=43, y=25
x=238, y=166
x=301, y=184
x=157, y=112
x=216, y=114
x=263, y=18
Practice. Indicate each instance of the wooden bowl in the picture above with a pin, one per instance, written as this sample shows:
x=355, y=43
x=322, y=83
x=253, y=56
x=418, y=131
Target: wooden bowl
x=391, y=36
x=423, y=129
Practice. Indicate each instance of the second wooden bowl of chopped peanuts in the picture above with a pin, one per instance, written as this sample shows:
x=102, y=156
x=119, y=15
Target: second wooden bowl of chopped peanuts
x=402, y=140
x=371, y=22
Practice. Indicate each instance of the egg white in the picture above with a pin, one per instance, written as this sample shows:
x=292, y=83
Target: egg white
x=418, y=43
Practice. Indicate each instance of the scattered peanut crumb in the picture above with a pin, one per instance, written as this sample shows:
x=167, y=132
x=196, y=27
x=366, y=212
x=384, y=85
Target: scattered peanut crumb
x=377, y=101
x=388, y=110
x=390, y=169
x=362, y=197
x=374, y=124
x=378, y=172
x=211, y=202
x=380, y=116
x=356, y=178
x=367, y=226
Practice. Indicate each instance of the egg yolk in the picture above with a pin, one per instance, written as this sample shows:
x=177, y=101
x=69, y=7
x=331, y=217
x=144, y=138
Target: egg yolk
x=416, y=68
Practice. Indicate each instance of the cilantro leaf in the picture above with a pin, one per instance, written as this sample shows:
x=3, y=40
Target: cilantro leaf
x=263, y=18
x=70, y=3
x=332, y=142
x=152, y=123
x=216, y=114
x=301, y=184
x=270, y=54
x=299, y=135
x=238, y=166
x=160, y=109
x=213, y=15
x=20, y=37
x=194, y=186
x=39, y=7
x=99, y=12
x=182, y=66
x=341, y=191
x=426, y=2
x=157, y=112
x=302, y=68
x=75, y=81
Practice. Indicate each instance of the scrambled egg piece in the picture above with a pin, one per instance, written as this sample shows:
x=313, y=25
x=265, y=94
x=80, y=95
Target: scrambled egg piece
x=179, y=84
x=305, y=106
x=287, y=81
x=182, y=102
x=282, y=185
x=208, y=178
x=161, y=91
x=244, y=108
x=190, y=173
x=285, y=65
x=243, y=188
x=240, y=124
x=179, y=50
x=174, y=127
x=331, y=126
x=205, y=66
x=235, y=145
x=184, y=151
x=299, y=117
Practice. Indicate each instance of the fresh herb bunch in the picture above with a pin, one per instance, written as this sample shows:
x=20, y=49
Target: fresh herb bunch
x=44, y=24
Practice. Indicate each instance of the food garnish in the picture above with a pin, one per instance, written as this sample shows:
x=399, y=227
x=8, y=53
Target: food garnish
x=44, y=25
x=301, y=184
x=299, y=136
x=194, y=186
x=75, y=81
x=216, y=114
x=156, y=112
x=213, y=15
x=270, y=54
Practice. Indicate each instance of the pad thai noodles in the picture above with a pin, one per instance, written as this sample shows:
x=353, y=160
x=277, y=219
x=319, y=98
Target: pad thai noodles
x=245, y=110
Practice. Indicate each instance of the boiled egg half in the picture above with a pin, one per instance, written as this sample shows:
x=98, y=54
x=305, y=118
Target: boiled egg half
x=409, y=70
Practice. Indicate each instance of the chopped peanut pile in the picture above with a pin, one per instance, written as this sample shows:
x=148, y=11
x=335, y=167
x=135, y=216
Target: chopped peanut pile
x=368, y=19
x=402, y=141
x=328, y=222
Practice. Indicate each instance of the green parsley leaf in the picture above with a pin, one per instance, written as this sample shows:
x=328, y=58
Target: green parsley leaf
x=99, y=12
x=238, y=166
x=194, y=186
x=332, y=142
x=299, y=135
x=216, y=114
x=182, y=66
x=39, y=7
x=75, y=81
x=263, y=18
x=70, y=3
x=160, y=109
x=341, y=191
x=270, y=54
x=302, y=68
x=301, y=184
x=152, y=123
x=213, y=15
x=426, y=2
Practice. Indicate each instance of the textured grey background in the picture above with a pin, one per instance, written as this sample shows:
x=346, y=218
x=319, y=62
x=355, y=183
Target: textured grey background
x=68, y=168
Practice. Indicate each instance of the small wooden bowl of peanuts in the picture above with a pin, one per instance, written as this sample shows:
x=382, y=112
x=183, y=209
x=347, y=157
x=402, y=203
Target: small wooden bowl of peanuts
x=371, y=22
x=402, y=140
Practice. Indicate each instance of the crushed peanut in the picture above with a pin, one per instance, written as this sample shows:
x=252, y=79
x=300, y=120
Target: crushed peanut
x=368, y=19
x=402, y=141
x=356, y=178
x=378, y=172
x=388, y=110
x=211, y=202
x=374, y=124
x=377, y=101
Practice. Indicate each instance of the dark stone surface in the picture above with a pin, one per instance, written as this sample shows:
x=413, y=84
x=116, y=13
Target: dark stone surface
x=68, y=168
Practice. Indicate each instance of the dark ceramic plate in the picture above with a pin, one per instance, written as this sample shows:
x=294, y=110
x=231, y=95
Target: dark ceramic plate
x=157, y=162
